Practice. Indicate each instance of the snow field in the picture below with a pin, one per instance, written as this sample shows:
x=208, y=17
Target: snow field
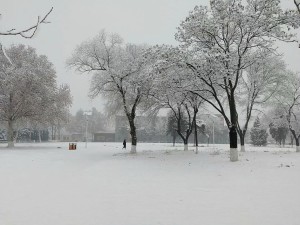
x=41, y=184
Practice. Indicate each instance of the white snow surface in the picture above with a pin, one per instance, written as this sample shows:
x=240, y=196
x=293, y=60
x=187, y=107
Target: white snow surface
x=47, y=184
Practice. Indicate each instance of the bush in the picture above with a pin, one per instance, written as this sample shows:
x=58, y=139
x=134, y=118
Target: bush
x=258, y=134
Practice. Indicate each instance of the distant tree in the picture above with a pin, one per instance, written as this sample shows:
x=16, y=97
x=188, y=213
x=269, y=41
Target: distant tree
x=278, y=126
x=171, y=126
x=258, y=134
x=77, y=122
x=58, y=114
x=97, y=121
x=278, y=133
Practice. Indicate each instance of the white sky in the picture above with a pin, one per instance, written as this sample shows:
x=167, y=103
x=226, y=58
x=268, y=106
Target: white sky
x=74, y=21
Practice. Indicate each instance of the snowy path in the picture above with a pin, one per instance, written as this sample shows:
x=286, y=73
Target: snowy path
x=103, y=185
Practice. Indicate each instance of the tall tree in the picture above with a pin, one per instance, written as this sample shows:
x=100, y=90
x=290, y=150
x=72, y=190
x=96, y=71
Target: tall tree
x=229, y=36
x=27, y=86
x=118, y=73
x=259, y=82
x=56, y=112
x=171, y=89
x=288, y=105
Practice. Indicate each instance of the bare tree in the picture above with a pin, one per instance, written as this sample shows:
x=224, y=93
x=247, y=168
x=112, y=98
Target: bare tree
x=288, y=99
x=227, y=36
x=259, y=82
x=118, y=73
x=171, y=89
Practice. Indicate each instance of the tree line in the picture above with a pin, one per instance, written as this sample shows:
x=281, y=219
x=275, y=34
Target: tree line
x=226, y=57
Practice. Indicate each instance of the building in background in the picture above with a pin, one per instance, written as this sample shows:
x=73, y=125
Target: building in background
x=148, y=129
x=102, y=136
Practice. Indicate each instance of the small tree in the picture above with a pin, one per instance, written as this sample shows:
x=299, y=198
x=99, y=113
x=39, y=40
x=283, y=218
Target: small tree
x=258, y=134
x=279, y=133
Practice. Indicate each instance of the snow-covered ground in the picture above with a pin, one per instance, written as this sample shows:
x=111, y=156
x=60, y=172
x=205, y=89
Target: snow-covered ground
x=46, y=184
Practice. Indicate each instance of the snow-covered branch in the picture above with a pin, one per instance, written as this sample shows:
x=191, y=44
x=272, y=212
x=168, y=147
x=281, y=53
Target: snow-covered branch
x=28, y=32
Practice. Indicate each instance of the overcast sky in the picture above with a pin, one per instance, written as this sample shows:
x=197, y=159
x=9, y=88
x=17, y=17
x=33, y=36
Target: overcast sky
x=74, y=21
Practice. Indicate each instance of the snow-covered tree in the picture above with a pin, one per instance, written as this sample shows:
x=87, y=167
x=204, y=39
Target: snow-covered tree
x=230, y=36
x=288, y=105
x=258, y=134
x=181, y=112
x=279, y=132
x=96, y=122
x=171, y=88
x=119, y=73
x=27, y=88
x=57, y=114
x=171, y=126
x=259, y=82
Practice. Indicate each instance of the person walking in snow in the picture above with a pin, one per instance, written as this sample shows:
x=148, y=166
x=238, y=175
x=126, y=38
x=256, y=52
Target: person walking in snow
x=124, y=144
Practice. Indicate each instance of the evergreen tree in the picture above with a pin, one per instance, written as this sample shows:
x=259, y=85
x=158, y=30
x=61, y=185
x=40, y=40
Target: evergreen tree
x=258, y=134
x=279, y=132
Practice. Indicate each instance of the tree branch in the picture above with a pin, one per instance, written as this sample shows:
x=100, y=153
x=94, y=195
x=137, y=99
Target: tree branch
x=25, y=33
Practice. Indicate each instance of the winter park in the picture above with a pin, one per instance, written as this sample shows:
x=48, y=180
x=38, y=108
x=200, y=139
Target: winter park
x=150, y=112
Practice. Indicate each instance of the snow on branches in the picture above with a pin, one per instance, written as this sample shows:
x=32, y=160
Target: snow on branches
x=28, y=89
x=30, y=31
x=120, y=73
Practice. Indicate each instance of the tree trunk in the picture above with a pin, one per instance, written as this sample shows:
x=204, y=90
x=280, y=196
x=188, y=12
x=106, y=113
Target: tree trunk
x=296, y=140
x=242, y=141
x=133, y=136
x=10, y=134
x=52, y=133
x=233, y=144
x=186, y=148
x=196, y=137
x=174, y=138
x=40, y=138
x=16, y=137
x=55, y=133
x=297, y=145
x=232, y=130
